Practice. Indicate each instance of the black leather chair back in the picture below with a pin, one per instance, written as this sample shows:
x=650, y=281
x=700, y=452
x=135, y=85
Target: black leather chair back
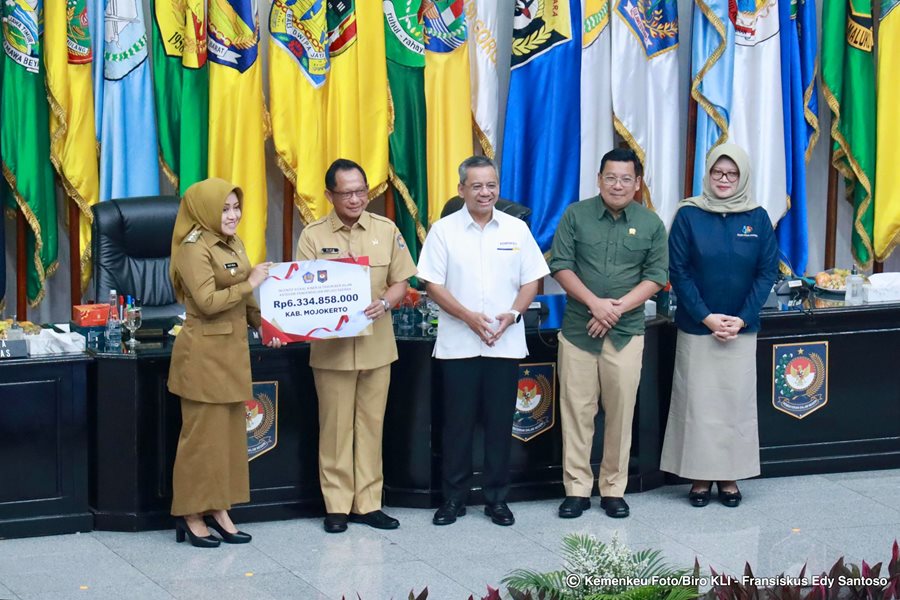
x=511, y=208
x=131, y=241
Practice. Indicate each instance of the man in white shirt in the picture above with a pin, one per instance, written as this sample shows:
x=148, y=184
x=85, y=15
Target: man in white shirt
x=482, y=267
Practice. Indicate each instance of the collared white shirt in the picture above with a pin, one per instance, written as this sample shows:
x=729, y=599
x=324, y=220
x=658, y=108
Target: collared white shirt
x=483, y=269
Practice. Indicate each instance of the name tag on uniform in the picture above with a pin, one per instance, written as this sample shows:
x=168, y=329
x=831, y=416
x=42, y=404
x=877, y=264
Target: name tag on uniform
x=330, y=251
x=231, y=265
x=508, y=246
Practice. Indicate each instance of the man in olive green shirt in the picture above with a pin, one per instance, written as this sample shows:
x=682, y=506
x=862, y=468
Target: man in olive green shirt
x=610, y=255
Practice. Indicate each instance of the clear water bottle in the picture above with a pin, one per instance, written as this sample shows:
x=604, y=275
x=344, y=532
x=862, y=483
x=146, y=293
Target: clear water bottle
x=854, y=294
x=113, y=324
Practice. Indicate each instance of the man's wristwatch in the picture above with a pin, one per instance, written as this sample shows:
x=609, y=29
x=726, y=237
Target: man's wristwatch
x=385, y=304
x=516, y=314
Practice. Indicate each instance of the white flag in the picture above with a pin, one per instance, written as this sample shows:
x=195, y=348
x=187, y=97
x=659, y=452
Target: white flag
x=596, y=97
x=481, y=16
x=645, y=94
x=756, y=122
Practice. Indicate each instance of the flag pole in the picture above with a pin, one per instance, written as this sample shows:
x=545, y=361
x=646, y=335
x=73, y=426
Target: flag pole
x=287, y=222
x=831, y=215
x=390, y=210
x=74, y=252
x=690, y=152
x=877, y=265
x=21, y=267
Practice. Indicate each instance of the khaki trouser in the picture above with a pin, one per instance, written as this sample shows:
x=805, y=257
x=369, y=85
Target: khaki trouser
x=351, y=418
x=613, y=375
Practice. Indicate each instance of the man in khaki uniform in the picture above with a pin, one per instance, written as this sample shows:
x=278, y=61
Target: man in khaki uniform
x=352, y=374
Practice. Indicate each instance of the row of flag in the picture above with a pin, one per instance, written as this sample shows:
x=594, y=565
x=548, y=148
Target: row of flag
x=863, y=121
x=754, y=68
x=408, y=87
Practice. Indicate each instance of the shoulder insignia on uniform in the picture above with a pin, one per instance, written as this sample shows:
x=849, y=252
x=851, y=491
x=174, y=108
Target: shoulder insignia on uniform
x=382, y=219
x=400, y=243
x=193, y=236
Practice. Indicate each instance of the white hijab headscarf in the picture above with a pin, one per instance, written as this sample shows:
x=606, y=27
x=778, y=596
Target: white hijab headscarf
x=740, y=200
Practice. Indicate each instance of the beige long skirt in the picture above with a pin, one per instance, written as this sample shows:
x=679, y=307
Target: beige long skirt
x=211, y=470
x=712, y=431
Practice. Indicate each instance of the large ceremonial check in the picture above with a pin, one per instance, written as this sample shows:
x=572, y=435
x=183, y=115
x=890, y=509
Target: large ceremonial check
x=316, y=300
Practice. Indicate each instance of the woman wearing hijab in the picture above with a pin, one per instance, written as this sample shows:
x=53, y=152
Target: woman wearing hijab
x=723, y=260
x=210, y=367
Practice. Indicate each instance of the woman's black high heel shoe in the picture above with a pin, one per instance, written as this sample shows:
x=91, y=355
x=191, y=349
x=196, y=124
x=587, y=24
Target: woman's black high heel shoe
x=700, y=498
x=229, y=538
x=182, y=530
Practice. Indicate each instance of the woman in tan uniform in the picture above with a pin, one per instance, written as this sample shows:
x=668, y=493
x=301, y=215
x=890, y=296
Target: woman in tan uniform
x=210, y=368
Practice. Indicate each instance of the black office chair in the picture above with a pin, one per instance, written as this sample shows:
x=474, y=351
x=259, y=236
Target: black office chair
x=511, y=208
x=131, y=242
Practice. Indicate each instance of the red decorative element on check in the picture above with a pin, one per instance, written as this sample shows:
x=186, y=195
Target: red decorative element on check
x=291, y=270
x=295, y=267
x=341, y=322
x=270, y=331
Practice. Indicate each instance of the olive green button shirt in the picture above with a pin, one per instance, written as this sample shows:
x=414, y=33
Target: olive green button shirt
x=610, y=256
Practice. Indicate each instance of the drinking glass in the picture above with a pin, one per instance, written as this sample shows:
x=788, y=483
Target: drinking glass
x=424, y=308
x=132, y=324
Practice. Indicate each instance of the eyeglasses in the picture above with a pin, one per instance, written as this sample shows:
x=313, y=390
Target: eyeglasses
x=361, y=194
x=478, y=187
x=611, y=180
x=729, y=176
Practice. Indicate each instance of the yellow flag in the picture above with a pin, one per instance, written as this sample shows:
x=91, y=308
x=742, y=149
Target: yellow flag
x=238, y=123
x=73, y=148
x=328, y=92
x=447, y=99
x=887, y=192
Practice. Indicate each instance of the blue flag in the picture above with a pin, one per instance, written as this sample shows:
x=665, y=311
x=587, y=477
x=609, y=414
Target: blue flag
x=541, y=149
x=128, y=141
x=712, y=75
x=801, y=127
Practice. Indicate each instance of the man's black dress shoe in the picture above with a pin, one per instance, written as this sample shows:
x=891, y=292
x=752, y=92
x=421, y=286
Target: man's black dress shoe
x=573, y=506
x=376, y=519
x=616, y=508
x=499, y=513
x=448, y=512
x=335, y=522
x=229, y=538
x=182, y=530
x=699, y=498
x=729, y=499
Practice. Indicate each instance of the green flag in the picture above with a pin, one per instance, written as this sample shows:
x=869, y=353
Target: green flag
x=25, y=138
x=181, y=85
x=3, y=201
x=405, y=48
x=848, y=74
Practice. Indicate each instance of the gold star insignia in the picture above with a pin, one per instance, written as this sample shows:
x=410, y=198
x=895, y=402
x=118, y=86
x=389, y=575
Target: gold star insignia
x=800, y=351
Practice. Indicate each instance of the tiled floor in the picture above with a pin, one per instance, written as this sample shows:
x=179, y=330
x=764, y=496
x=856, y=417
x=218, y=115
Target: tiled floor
x=782, y=524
